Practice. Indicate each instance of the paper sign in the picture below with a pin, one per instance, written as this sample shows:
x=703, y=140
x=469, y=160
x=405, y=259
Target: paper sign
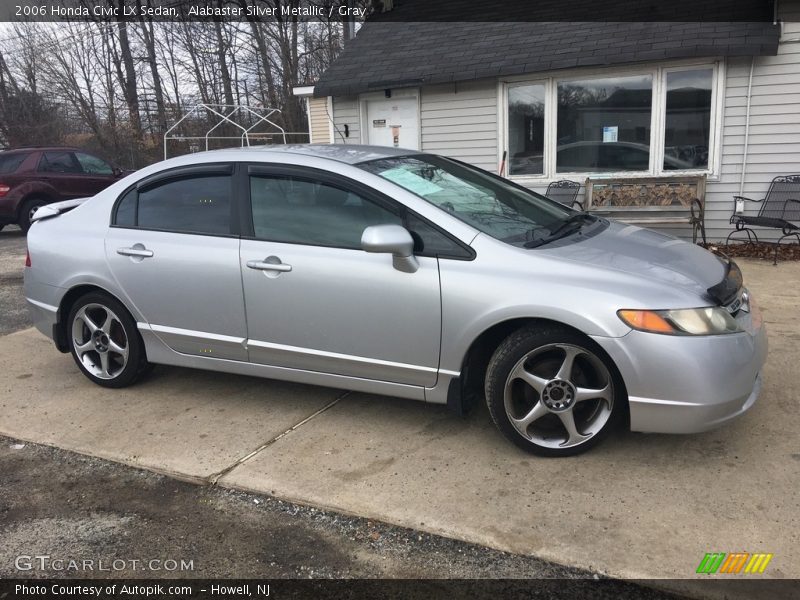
x=410, y=181
x=610, y=134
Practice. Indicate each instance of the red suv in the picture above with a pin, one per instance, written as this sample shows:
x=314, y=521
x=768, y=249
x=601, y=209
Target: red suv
x=33, y=177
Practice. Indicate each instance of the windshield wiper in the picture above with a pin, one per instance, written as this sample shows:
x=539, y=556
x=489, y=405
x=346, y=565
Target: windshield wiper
x=567, y=227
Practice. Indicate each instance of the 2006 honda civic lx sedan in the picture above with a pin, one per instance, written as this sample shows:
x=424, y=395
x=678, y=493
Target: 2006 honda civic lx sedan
x=400, y=273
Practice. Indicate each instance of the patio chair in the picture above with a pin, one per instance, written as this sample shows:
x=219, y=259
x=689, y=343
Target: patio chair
x=565, y=192
x=779, y=208
x=697, y=220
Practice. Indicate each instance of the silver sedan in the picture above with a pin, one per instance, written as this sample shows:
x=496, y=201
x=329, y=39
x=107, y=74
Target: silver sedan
x=400, y=273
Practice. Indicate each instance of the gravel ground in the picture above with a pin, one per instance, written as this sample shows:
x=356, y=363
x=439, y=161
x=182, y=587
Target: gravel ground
x=69, y=506
x=13, y=311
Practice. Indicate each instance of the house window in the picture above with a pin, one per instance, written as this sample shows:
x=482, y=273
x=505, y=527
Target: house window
x=645, y=122
x=526, y=129
x=687, y=128
x=604, y=124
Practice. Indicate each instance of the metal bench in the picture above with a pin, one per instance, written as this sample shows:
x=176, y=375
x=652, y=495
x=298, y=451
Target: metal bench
x=565, y=192
x=779, y=208
x=650, y=200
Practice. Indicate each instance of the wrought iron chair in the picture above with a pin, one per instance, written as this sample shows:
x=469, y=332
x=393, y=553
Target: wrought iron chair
x=698, y=220
x=779, y=208
x=565, y=192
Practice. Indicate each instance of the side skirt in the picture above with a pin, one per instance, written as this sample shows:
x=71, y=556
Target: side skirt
x=159, y=353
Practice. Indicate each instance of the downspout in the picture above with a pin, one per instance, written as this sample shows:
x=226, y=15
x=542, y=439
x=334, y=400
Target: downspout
x=747, y=126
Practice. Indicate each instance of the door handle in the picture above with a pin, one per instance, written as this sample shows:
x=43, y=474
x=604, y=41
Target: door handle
x=139, y=252
x=266, y=265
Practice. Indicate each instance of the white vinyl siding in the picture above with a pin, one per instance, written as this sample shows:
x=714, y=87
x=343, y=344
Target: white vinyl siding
x=318, y=121
x=460, y=121
x=774, y=140
x=346, y=112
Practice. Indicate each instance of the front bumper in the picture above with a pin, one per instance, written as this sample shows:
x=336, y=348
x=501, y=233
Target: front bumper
x=688, y=384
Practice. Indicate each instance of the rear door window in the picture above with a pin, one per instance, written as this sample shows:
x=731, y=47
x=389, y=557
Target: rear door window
x=192, y=204
x=59, y=161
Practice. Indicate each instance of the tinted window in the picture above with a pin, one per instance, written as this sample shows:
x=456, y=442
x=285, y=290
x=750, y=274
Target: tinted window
x=59, y=162
x=290, y=209
x=126, y=210
x=191, y=205
x=10, y=162
x=431, y=242
x=93, y=165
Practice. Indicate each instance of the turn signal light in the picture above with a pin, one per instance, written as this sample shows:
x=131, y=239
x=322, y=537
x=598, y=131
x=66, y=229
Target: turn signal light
x=646, y=320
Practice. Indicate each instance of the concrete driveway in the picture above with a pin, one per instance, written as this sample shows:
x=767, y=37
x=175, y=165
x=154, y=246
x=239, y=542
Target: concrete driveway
x=646, y=506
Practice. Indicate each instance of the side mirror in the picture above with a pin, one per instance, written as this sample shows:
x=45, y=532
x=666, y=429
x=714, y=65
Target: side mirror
x=394, y=240
x=117, y=171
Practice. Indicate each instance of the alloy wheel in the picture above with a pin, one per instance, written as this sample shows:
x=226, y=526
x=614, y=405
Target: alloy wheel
x=559, y=396
x=100, y=341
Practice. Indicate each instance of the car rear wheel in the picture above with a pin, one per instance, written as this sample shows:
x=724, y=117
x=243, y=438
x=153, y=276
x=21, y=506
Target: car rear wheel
x=104, y=341
x=26, y=211
x=552, y=391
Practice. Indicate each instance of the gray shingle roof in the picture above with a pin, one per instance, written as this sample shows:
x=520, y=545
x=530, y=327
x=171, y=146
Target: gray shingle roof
x=394, y=54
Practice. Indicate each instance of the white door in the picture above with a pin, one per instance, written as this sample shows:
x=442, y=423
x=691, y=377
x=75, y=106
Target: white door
x=393, y=122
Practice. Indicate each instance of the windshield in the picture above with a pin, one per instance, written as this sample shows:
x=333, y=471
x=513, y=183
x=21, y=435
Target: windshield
x=492, y=205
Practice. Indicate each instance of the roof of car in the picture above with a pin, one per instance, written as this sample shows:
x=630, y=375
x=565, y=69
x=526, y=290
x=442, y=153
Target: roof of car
x=32, y=148
x=345, y=153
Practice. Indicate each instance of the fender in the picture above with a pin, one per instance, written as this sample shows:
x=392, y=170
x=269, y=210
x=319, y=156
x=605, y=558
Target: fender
x=27, y=189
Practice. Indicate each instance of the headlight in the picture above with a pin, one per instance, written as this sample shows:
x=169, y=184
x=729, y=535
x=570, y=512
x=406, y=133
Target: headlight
x=687, y=321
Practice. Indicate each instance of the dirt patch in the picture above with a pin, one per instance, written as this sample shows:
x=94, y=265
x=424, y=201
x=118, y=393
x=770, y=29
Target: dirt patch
x=762, y=250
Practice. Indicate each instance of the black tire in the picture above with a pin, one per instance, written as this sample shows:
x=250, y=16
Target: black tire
x=25, y=210
x=528, y=351
x=120, y=373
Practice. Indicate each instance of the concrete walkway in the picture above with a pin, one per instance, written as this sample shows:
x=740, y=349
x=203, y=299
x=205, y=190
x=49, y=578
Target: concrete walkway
x=646, y=506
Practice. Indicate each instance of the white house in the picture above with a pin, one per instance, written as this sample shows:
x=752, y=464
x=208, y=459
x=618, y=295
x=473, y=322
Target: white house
x=578, y=100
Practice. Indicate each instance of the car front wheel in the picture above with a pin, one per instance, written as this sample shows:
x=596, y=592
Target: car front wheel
x=104, y=341
x=552, y=392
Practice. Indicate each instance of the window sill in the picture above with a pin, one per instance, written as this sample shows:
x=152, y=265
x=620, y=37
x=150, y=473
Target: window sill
x=582, y=176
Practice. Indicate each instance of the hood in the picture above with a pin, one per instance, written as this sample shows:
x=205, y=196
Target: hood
x=647, y=254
